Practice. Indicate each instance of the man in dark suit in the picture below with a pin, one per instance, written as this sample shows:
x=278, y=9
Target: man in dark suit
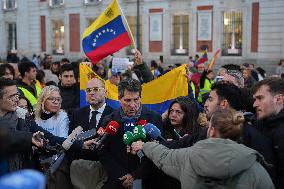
x=89, y=173
x=91, y=116
x=122, y=167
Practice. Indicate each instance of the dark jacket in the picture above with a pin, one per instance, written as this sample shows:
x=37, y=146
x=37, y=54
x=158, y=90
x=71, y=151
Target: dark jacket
x=81, y=117
x=145, y=72
x=70, y=97
x=273, y=128
x=20, y=157
x=115, y=158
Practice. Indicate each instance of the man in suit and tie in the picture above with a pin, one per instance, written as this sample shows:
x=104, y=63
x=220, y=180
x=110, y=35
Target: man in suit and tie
x=91, y=116
x=87, y=174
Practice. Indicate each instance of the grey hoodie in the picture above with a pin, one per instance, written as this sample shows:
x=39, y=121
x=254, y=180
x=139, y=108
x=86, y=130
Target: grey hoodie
x=214, y=158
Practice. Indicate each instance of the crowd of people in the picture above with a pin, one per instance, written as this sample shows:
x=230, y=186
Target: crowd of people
x=228, y=132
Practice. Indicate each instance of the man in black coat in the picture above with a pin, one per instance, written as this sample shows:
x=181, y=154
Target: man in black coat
x=123, y=167
x=69, y=89
x=85, y=173
x=269, y=100
x=24, y=130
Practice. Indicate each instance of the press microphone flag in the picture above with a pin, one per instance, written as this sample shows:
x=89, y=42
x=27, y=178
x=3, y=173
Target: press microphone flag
x=111, y=129
x=153, y=132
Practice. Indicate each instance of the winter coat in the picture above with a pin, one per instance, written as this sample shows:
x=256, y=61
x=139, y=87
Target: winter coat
x=212, y=158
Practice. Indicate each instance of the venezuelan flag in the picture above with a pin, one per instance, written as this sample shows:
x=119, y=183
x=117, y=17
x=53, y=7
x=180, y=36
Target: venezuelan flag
x=202, y=59
x=156, y=95
x=106, y=34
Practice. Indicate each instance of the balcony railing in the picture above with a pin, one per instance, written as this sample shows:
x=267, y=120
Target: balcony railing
x=92, y=2
x=56, y=3
x=9, y=5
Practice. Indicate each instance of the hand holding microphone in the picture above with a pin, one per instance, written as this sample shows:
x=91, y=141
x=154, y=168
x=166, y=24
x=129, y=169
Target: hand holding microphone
x=111, y=129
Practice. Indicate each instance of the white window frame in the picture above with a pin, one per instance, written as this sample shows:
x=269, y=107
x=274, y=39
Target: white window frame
x=5, y=3
x=51, y=3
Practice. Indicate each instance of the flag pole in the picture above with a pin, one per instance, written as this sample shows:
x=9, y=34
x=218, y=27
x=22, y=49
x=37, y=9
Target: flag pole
x=128, y=28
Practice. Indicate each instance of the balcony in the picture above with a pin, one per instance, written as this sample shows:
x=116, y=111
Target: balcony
x=92, y=2
x=56, y=3
x=9, y=5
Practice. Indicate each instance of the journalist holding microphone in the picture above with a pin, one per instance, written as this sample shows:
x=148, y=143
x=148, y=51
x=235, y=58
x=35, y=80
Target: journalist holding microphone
x=123, y=167
x=238, y=166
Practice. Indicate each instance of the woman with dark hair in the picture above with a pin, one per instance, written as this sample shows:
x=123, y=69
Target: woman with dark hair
x=181, y=118
x=7, y=71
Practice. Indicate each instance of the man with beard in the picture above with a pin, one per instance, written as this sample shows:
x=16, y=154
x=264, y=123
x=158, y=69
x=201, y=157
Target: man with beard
x=269, y=100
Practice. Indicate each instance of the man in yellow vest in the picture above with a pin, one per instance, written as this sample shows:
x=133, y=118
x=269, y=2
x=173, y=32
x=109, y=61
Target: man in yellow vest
x=27, y=85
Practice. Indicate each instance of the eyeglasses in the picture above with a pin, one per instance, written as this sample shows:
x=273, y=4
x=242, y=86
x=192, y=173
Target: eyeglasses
x=54, y=99
x=94, y=89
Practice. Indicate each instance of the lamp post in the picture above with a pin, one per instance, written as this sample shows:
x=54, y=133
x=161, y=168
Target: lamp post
x=138, y=26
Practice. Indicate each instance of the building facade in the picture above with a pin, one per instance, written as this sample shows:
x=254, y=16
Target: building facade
x=245, y=30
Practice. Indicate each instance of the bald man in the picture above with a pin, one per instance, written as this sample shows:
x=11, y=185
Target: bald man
x=86, y=173
x=91, y=116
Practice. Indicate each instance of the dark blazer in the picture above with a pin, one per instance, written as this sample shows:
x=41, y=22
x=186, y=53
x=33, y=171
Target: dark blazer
x=80, y=117
x=115, y=158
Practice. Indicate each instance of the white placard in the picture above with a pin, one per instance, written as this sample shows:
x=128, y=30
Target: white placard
x=121, y=64
x=204, y=26
x=155, y=27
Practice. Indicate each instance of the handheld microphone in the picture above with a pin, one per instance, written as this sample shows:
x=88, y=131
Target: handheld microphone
x=153, y=132
x=128, y=138
x=142, y=122
x=111, y=129
x=177, y=134
x=128, y=125
x=139, y=133
x=72, y=137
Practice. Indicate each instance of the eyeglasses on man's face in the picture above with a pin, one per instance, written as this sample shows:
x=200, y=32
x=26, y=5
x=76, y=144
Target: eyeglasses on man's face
x=94, y=89
x=14, y=97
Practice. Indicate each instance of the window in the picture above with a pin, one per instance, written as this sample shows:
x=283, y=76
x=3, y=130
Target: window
x=133, y=27
x=12, y=36
x=56, y=3
x=232, y=33
x=9, y=4
x=92, y=2
x=180, y=34
x=58, y=37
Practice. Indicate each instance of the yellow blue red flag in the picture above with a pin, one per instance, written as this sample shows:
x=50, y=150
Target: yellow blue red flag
x=156, y=95
x=106, y=34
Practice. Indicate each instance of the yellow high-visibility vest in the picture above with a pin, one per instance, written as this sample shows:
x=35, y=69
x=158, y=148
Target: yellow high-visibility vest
x=205, y=89
x=31, y=98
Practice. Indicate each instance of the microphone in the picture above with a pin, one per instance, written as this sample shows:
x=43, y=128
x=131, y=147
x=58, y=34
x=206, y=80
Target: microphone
x=128, y=138
x=177, y=134
x=72, y=137
x=142, y=122
x=128, y=125
x=139, y=133
x=101, y=131
x=153, y=132
x=111, y=129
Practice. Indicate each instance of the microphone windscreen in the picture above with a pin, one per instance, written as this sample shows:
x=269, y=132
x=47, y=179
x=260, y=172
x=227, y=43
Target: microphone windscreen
x=128, y=125
x=139, y=133
x=112, y=128
x=152, y=131
x=128, y=138
x=142, y=122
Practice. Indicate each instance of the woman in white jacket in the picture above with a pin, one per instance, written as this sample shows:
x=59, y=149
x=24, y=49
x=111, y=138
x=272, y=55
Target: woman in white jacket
x=48, y=114
x=217, y=158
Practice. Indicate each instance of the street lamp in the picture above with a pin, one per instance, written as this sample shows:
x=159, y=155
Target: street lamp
x=138, y=25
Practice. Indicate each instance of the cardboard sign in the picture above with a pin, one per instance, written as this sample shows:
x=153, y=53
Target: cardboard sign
x=121, y=64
